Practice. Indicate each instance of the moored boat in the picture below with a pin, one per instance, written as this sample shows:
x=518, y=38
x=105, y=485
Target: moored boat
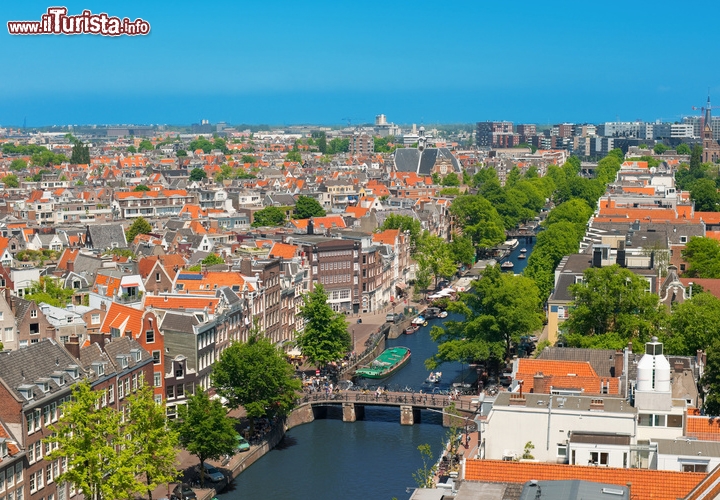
x=420, y=320
x=507, y=265
x=521, y=256
x=411, y=329
x=434, y=378
x=443, y=314
x=389, y=361
x=523, y=250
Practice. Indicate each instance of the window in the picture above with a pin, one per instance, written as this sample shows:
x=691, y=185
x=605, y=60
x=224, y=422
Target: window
x=180, y=390
x=48, y=474
x=135, y=382
x=95, y=319
x=599, y=458
x=170, y=392
x=150, y=336
x=111, y=393
x=157, y=379
x=9, y=334
x=18, y=473
x=127, y=385
x=683, y=239
x=694, y=467
x=562, y=450
x=157, y=277
x=156, y=357
x=33, y=313
x=121, y=392
x=34, y=328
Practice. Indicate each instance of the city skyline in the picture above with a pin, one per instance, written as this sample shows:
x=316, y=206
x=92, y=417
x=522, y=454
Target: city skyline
x=327, y=63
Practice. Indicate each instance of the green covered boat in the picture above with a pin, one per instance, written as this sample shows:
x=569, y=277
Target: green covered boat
x=386, y=364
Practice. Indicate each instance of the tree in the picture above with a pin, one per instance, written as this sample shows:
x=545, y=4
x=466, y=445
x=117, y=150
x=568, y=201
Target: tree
x=131, y=149
x=338, y=145
x=462, y=250
x=89, y=436
x=307, y=206
x=257, y=376
x=49, y=291
x=154, y=444
x=248, y=159
x=558, y=240
x=705, y=195
x=204, y=429
x=11, y=181
x=703, y=257
x=269, y=216
x=479, y=219
x=197, y=174
x=660, y=148
x=683, y=149
x=497, y=310
x=693, y=325
x=145, y=145
x=433, y=257
x=696, y=158
x=294, y=156
x=612, y=301
x=403, y=223
x=710, y=383
x=575, y=211
x=425, y=475
x=450, y=179
x=201, y=143
x=139, y=226
x=141, y=188
x=180, y=153
x=213, y=260
x=325, y=338
x=80, y=154
x=18, y=164
x=322, y=143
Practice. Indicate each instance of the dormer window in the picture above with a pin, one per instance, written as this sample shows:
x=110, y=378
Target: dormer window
x=123, y=361
x=137, y=355
x=26, y=391
x=99, y=369
x=73, y=371
x=43, y=384
x=3, y=448
x=58, y=378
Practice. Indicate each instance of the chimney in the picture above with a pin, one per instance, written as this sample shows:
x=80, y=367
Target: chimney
x=621, y=259
x=311, y=227
x=98, y=338
x=619, y=362
x=103, y=306
x=539, y=383
x=652, y=260
x=597, y=257
x=71, y=266
x=73, y=346
x=9, y=300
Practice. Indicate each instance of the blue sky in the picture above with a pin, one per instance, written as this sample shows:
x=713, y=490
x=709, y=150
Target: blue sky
x=283, y=62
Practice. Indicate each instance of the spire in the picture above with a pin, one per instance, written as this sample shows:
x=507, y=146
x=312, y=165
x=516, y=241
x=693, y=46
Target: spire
x=708, y=107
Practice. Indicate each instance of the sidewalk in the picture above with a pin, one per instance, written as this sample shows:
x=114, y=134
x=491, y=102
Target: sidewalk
x=371, y=322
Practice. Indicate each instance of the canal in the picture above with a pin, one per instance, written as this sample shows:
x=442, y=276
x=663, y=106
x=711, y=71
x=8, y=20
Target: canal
x=374, y=458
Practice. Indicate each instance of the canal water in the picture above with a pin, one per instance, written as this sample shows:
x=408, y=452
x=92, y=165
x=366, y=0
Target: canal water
x=519, y=264
x=374, y=458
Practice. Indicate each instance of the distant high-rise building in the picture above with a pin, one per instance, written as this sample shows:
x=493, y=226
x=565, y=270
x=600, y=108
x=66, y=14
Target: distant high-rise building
x=526, y=132
x=496, y=135
x=361, y=144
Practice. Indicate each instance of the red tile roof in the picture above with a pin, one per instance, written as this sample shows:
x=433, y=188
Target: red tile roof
x=644, y=484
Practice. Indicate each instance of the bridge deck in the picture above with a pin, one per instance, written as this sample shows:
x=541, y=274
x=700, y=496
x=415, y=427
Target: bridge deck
x=416, y=400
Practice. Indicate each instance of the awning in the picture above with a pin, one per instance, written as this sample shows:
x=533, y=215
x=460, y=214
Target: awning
x=401, y=285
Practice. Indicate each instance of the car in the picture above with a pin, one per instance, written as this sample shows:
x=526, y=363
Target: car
x=242, y=444
x=184, y=492
x=212, y=473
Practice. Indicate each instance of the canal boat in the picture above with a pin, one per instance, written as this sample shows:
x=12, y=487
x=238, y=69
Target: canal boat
x=523, y=250
x=443, y=314
x=389, y=361
x=434, y=378
x=420, y=320
x=507, y=265
x=522, y=256
x=411, y=329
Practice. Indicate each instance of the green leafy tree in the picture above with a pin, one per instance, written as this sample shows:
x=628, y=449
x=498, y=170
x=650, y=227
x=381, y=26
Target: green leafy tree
x=139, y=226
x=141, y=188
x=479, y=219
x=257, y=376
x=338, y=145
x=220, y=144
x=248, y=159
x=18, y=164
x=11, y=181
x=425, y=475
x=710, y=383
x=693, y=325
x=204, y=429
x=449, y=191
x=294, y=156
x=434, y=257
x=307, y=206
x=197, y=174
x=450, y=179
x=154, y=444
x=49, y=291
x=47, y=157
x=325, y=338
x=705, y=195
x=703, y=257
x=683, y=149
x=268, y=216
x=575, y=211
x=558, y=240
x=213, y=260
x=696, y=158
x=322, y=144
x=404, y=223
x=181, y=153
x=90, y=437
x=132, y=149
x=496, y=312
x=201, y=143
x=80, y=154
x=145, y=145
x=660, y=148
x=612, y=301
x=462, y=250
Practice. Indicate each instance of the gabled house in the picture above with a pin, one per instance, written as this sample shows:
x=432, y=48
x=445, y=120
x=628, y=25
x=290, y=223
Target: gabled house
x=104, y=237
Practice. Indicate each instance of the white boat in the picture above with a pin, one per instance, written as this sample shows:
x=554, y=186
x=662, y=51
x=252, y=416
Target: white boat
x=521, y=256
x=523, y=250
x=434, y=378
x=443, y=314
x=420, y=320
x=507, y=265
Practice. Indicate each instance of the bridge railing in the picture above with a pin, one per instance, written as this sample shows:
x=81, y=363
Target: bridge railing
x=394, y=398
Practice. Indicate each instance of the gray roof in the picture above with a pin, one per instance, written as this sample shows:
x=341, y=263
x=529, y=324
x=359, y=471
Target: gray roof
x=422, y=162
x=600, y=438
x=103, y=236
x=572, y=489
x=582, y=403
x=690, y=447
x=177, y=322
x=35, y=362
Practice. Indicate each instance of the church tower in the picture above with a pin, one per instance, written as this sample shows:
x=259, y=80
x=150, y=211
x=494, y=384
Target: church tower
x=711, y=148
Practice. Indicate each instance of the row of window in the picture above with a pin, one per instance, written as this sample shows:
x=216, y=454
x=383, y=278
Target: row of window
x=179, y=390
x=11, y=476
x=337, y=278
x=49, y=414
x=328, y=266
